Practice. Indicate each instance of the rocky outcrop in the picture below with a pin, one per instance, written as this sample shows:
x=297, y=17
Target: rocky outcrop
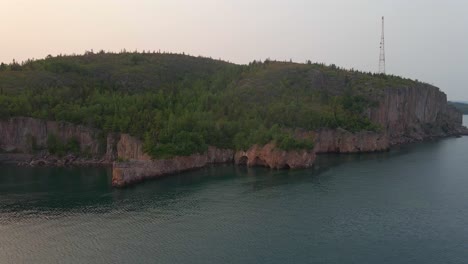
x=326, y=141
x=272, y=157
x=46, y=160
x=131, y=148
x=404, y=114
x=111, y=146
x=22, y=134
x=410, y=114
x=15, y=158
x=342, y=141
x=125, y=173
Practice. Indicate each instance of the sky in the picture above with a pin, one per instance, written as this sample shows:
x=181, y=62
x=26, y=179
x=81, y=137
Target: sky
x=425, y=39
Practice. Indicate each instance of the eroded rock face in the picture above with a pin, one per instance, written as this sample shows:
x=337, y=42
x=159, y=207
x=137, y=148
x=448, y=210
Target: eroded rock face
x=405, y=114
x=111, y=146
x=416, y=113
x=131, y=148
x=125, y=173
x=342, y=141
x=22, y=134
x=18, y=134
x=272, y=157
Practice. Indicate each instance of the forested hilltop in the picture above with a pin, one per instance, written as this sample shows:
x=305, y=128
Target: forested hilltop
x=179, y=104
x=462, y=107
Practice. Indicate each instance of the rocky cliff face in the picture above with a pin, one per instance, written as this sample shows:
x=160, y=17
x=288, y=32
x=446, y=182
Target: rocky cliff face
x=405, y=115
x=272, y=157
x=21, y=134
x=326, y=141
x=130, y=148
x=416, y=113
x=125, y=173
x=25, y=135
x=342, y=141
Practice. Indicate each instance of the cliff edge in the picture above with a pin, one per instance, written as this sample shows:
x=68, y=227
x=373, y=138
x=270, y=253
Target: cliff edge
x=151, y=114
x=404, y=115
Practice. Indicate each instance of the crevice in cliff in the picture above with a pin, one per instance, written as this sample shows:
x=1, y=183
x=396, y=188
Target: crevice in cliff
x=260, y=162
x=425, y=106
x=243, y=161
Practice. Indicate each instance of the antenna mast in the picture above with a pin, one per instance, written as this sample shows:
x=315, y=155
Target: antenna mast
x=382, y=50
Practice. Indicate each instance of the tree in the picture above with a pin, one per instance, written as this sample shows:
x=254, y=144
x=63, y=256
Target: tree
x=15, y=66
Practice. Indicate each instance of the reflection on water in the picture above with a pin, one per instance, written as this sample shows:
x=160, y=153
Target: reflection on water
x=403, y=206
x=56, y=191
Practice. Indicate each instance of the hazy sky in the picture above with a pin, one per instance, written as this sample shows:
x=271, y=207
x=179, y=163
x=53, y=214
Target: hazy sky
x=425, y=39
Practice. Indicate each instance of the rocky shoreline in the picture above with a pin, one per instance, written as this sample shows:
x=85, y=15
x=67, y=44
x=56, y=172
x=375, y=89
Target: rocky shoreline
x=138, y=167
x=404, y=115
x=134, y=171
x=46, y=160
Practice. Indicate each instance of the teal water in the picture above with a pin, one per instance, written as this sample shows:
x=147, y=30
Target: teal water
x=409, y=205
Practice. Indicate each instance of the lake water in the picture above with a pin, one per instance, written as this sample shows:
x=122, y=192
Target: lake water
x=409, y=205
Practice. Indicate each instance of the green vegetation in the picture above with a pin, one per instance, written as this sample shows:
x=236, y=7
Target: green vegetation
x=56, y=146
x=31, y=142
x=462, y=107
x=181, y=104
x=120, y=160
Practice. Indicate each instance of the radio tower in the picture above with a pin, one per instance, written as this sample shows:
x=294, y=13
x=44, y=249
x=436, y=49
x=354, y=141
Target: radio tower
x=382, y=50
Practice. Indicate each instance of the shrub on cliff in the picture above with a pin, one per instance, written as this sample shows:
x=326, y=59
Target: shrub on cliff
x=283, y=138
x=57, y=147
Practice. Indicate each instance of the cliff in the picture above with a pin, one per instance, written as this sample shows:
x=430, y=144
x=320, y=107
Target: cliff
x=342, y=141
x=25, y=140
x=404, y=115
x=410, y=114
x=24, y=134
x=272, y=157
x=125, y=173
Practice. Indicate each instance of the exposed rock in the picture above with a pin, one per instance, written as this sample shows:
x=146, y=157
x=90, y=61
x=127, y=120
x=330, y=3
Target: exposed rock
x=22, y=133
x=15, y=158
x=111, y=147
x=410, y=114
x=405, y=114
x=342, y=141
x=130, y=148
x=272, y=157
x=40, y=162
x=126, y=173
